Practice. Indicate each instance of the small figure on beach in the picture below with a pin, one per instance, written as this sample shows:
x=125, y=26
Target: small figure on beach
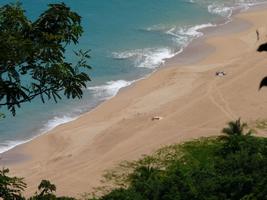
x=258, y=35
x=156, y=118
x=220, y=73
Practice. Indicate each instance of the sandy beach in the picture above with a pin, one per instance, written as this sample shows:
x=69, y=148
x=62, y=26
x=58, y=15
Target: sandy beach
x=191, y=101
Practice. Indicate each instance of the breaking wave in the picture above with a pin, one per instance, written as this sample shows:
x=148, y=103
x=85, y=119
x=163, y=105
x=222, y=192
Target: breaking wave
x=154, y=57
x=227, y=8
x=7, y=145
x=52, y=123
x=109, y=90
x=56, y=121
x=147, y=58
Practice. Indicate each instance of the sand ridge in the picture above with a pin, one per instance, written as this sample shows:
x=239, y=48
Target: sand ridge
x=191, y=100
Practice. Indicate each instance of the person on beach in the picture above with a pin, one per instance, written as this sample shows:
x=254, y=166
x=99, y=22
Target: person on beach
x=258, y=35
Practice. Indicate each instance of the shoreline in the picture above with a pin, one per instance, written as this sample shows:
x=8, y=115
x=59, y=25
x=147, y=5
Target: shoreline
x=180, y=57
x=69, y=146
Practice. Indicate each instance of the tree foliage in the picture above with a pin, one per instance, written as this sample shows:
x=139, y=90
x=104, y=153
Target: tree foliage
x=32, y=61
x=11, y=188
x=46, y=192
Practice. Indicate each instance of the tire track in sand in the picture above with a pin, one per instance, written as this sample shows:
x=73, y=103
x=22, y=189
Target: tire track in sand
x=219, y=101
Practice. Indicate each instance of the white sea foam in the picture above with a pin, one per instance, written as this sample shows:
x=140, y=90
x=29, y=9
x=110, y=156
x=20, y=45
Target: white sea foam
x=178, y=31
x=56, y=121
x=110, y=89
x=189, y=32
x=52, y=123
x=7, y=145
x=156, y=28
x=183, y=36
x=125, y=54
x=154, y=57
x=220, y=9
x=148, y=58
x=226, y=8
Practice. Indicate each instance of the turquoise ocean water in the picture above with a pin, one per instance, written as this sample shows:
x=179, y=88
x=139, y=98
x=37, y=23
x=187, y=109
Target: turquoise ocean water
x=128, y=40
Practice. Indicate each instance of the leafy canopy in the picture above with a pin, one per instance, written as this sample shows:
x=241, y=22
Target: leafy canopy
x=35, y=51
x=11, y=187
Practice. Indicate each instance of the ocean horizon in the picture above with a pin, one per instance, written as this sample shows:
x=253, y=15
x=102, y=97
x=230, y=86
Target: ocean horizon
x=128, y=41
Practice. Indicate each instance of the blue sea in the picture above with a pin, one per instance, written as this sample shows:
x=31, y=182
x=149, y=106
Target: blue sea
x=128, y=40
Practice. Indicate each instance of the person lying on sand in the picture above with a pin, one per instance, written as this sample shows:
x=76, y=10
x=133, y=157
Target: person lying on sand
x=220, y=73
